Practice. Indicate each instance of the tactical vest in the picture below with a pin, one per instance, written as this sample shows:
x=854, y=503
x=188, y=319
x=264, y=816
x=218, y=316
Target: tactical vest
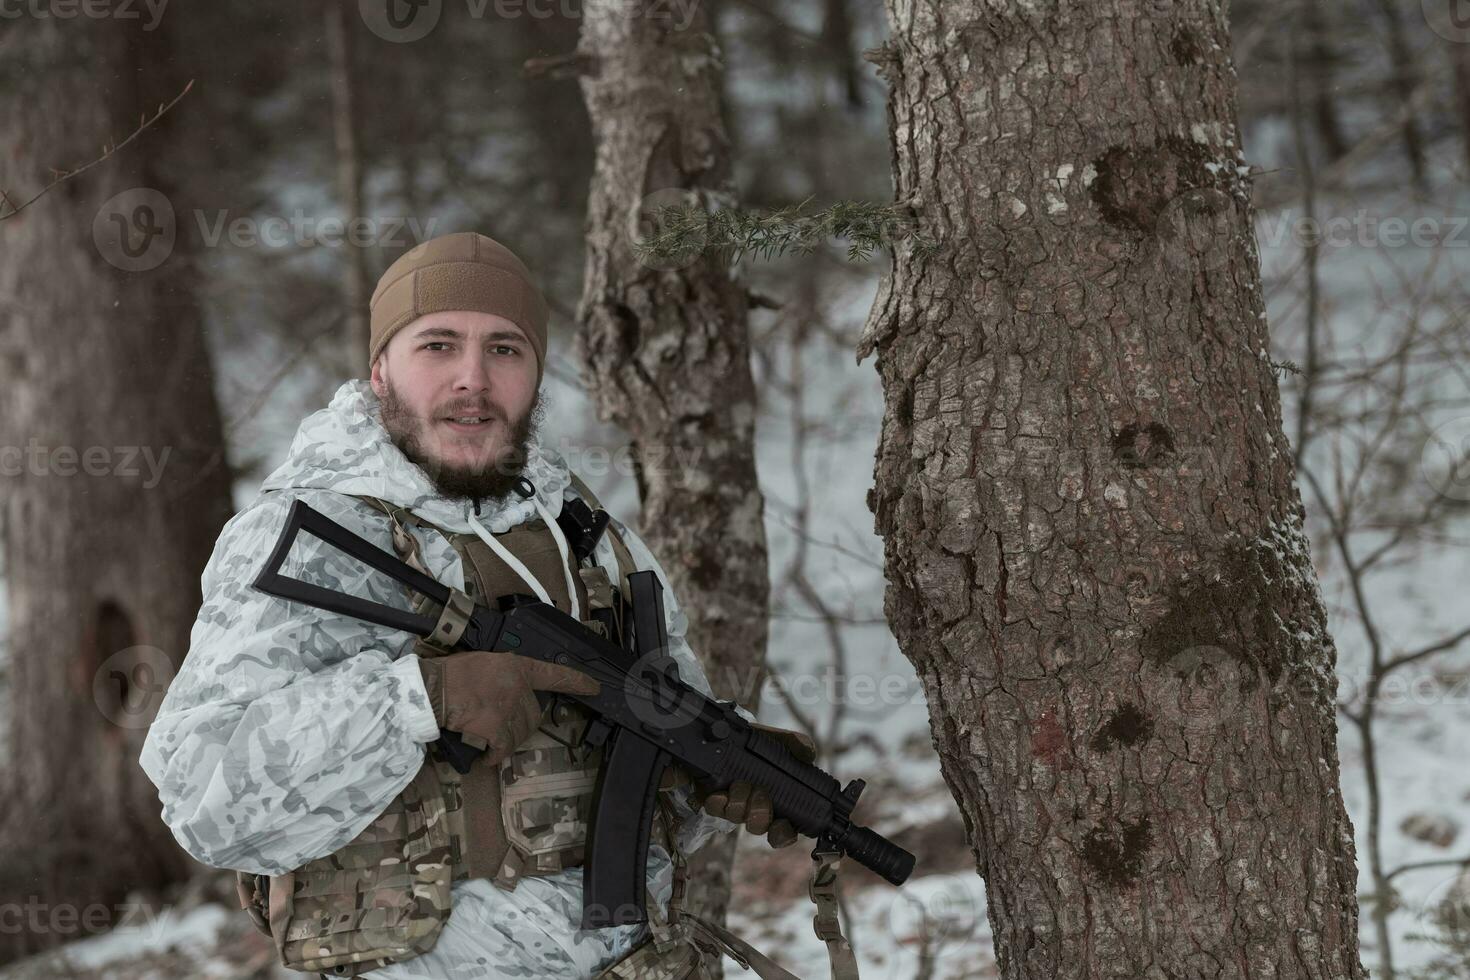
x=528, y=815
x=384, y=896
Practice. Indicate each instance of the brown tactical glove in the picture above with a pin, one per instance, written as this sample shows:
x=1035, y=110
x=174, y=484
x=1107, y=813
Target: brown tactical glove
x=491, y=695
x=749, y=804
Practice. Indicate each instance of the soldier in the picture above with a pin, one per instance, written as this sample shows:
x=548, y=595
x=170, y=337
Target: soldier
x=292, y=746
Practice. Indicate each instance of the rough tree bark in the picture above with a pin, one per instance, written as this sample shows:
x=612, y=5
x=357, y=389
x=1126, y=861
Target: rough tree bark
x=1092, y=533
x=665, y=348
x=101, y=370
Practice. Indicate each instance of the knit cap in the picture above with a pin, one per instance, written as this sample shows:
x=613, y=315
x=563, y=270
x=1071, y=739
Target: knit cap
x=461, y=271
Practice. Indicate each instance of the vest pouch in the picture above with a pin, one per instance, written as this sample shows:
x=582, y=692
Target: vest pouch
x=668, y=952
x=647, y=962
x=604, y=612
x=381, y=898
x=546, y=790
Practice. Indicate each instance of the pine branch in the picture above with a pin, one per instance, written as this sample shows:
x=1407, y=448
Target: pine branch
x=731, y=233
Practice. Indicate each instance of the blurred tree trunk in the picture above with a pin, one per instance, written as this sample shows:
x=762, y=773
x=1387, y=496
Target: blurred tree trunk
x=1404, y=81
x=837, y=35
x=115, y=483
x=340, y=16
x=1093, y=536
x=1321, y=66
x=665, y=348
x=1460, y=62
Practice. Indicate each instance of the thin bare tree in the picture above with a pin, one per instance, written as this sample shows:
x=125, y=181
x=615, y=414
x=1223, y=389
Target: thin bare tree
x=340, y=16
x=665, y=346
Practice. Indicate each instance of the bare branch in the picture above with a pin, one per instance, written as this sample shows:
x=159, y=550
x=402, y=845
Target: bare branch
x=107, y=151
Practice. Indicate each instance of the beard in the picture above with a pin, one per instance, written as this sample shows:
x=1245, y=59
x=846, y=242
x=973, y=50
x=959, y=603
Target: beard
x=494, y=479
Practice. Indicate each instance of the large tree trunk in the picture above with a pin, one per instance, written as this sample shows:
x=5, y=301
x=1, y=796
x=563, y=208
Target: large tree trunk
x=666, y=350
x=1092, y=533
x=115, y=483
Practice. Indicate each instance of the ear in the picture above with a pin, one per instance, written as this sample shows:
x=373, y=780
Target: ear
x=380, y=387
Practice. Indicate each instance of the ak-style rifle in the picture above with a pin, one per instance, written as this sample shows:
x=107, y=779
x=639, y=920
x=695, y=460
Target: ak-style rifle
x=645, y=715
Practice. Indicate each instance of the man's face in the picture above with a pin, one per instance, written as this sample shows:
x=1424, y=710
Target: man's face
x=459, y=398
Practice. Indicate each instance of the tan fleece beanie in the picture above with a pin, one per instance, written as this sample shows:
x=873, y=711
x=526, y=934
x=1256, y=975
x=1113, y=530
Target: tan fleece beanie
x=462, y=271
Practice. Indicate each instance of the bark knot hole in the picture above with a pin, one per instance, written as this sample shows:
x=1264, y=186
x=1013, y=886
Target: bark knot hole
x=1136, y=186
x=1256, y=610
x=1127, y=725
x=1143, y=446
x=1186, y=47
x=1115, y=854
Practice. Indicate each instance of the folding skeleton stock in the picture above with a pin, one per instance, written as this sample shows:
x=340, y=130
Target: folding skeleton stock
x=645, y=716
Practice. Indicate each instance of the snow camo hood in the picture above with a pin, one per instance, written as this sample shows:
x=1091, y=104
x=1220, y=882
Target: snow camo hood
x=288, y=729
x=344, y=447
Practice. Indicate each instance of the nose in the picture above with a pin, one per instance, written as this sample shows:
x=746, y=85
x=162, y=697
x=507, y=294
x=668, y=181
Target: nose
x=471, y=372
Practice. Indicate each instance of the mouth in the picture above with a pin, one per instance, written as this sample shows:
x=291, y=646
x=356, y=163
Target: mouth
x=469, y=423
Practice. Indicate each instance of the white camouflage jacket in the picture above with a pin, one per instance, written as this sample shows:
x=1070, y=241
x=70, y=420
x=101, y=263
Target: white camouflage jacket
x=288, y=729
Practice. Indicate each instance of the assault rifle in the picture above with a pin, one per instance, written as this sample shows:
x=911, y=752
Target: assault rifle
x=645, y=716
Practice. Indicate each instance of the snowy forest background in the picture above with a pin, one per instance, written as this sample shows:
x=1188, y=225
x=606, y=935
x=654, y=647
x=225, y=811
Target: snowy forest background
x=1356, y=120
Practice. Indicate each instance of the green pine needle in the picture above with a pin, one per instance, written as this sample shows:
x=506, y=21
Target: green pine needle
x=731, y=233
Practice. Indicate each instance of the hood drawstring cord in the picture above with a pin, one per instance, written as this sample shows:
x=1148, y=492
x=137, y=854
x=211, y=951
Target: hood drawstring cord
x=566, y=552
x=528, y=491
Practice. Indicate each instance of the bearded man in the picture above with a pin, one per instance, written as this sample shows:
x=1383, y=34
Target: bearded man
x=294, y=744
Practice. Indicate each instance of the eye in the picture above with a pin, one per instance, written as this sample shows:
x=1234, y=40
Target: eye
x=434, y=343
x=509, y=350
